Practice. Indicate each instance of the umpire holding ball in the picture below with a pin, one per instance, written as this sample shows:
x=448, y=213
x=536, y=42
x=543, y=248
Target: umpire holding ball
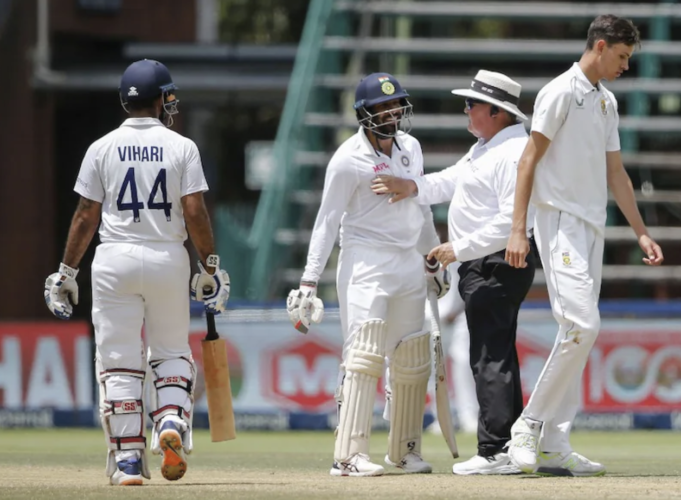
x=481, y=189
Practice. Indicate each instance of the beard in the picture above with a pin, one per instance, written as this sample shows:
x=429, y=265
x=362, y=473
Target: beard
x=388, y=129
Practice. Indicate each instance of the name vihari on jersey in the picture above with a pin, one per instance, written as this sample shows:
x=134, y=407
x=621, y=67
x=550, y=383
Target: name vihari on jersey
x=140, y=153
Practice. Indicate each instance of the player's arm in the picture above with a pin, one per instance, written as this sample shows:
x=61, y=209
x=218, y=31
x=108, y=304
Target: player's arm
x=198, y=225
x=61, y=288
x=518, y=246
x=84, y=223
x=550, y=112
x=623, y=191
x=211, y=285
x=340, y=183
x=430, y=189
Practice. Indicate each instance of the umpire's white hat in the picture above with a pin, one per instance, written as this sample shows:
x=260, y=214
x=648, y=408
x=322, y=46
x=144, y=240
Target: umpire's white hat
x=496, y=89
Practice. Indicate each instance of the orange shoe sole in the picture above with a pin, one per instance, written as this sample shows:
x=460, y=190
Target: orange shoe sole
x=131, y=482
x=173, y=465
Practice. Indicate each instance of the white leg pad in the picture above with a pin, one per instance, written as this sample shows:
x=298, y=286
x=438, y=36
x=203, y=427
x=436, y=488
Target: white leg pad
x=363, y=367
x=173, y=398
x=121, y=411
x=409, y=374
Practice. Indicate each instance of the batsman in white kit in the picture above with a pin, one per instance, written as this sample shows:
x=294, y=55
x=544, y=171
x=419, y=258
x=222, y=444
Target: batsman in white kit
x=145, y=183
x=381, y=282
x=572, y=158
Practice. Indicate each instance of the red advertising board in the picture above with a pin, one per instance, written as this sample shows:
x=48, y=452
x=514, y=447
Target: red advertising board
x=46, y=365
x=634, y=371
x=302, y=375
x=627, y=371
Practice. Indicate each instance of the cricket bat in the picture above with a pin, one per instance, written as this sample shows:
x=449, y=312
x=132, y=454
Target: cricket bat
x=218, y=388
x=444, y=416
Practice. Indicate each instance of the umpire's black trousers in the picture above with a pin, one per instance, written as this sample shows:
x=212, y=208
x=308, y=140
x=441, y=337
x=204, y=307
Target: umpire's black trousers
x=493, y=291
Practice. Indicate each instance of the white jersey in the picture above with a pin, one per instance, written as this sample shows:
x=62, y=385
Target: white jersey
x=581, y=121
x=139, y=173
x=366, y=218
x=481, y=188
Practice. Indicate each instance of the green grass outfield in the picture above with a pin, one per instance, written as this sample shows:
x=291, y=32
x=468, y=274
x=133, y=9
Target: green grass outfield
x=69, y=464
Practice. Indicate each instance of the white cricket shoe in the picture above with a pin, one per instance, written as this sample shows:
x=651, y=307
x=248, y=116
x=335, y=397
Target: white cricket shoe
x=499, y=464
x=358, y=465
x=412, y=463
x=128, y=473
x=524, y=444
x=174, y=463
x=570, y=464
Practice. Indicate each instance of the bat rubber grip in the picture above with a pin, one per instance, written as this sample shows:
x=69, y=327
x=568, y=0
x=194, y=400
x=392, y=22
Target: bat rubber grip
x=212, y=333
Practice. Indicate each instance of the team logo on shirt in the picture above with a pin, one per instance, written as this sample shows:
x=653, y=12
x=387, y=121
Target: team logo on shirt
x=604, y=108
x=566, y=259
x=405, y=161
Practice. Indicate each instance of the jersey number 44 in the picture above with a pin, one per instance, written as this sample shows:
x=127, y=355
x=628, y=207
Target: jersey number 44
x=135, y=205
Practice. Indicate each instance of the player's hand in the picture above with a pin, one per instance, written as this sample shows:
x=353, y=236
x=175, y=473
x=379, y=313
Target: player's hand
x=652, y=250
x=303, y=306
x=61, y=291
x=396, y=186
x=517, y=248
x=212, y=289
x=437, y=277
x=443, y=253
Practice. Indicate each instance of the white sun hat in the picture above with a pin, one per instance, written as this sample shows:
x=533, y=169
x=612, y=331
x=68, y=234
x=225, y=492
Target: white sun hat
x=496, y=89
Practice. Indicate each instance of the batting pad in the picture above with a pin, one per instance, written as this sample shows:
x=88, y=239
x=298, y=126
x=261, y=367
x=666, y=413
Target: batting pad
x=173, y=398
x=409, y=374
x=363, y=367
x=121, y=410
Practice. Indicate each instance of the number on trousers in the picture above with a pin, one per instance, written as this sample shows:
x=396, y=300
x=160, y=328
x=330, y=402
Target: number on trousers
x=135, y=205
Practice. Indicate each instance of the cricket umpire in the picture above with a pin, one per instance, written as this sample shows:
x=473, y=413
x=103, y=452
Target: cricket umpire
x=481, y=188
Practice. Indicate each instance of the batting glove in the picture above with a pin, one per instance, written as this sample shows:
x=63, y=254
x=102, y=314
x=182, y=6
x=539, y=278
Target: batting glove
x=303, y=306
x=61, y=291
x=437, y=278
x=212, y=289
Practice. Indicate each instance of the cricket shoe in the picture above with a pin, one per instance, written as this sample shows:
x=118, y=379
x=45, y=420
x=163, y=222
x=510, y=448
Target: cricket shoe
x=524, y=444
x=358, y=465
x=128, y=473
x=569, y=464
x=499, y=464
x=174, y=463
x=412, y=463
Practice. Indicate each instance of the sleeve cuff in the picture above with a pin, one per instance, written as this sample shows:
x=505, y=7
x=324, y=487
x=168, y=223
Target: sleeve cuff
x=460, y=247
x=420, y=194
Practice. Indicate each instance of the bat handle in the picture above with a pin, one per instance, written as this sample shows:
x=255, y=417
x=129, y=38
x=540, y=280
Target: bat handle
x=212, y=331
x=434, y=313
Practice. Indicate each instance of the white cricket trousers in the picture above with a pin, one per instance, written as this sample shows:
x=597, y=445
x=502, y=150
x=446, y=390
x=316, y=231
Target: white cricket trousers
x=380, y=283
x=135, y=284
x=571, y=252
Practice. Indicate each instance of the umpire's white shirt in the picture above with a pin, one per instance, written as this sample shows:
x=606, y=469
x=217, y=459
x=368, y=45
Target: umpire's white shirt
x=367, y=219
x=481, y=187
x=139, y=173
x=581, y=120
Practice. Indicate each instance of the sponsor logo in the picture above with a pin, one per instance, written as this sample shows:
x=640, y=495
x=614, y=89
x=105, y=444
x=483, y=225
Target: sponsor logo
x=381, y=167
x=129, y=406
x=45, y=365
x=634, y=371
x=133, y=92
x=302, y=375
